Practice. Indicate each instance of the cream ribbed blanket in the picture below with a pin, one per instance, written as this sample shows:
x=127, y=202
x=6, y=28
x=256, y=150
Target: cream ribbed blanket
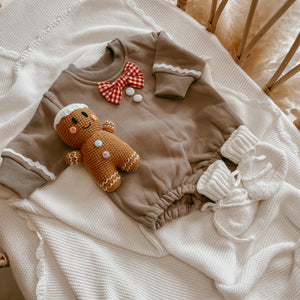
x=69, y=241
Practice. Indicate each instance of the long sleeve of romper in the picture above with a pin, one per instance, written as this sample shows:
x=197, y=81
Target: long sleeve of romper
x=36, y=155
x=178, y=75
x=175, y=68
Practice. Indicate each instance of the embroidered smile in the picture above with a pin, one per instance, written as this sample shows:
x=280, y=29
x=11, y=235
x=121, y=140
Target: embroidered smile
x=86, y=126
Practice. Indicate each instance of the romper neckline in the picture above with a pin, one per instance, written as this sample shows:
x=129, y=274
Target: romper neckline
x=107, y=68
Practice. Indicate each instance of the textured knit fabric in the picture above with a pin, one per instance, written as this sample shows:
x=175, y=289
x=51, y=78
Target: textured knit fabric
x=182, y=124
x=262, y=166
x=94, y=233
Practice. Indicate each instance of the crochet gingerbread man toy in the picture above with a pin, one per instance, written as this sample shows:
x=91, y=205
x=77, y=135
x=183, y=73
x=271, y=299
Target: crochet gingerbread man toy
x=100, y=150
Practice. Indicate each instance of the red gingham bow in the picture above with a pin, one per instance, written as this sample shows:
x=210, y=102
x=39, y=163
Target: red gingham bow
x=112, y=91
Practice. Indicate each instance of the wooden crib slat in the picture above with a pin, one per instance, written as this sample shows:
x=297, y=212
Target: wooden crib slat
x=247, y=28
x=211, y=27
x=287, y=76
x=212, y=13
x=273, y=82
x=266, y=27
x=181, y=4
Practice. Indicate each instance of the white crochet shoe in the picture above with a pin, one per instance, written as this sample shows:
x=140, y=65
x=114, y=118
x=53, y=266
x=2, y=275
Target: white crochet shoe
x=263, y=170
x=233, y=211
x=262, y=166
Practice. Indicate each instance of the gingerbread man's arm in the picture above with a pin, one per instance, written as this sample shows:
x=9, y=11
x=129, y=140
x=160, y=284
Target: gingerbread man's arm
x=74, y=158
x=109, y=126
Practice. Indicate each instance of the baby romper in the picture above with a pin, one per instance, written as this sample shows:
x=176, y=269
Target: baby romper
x=177, y=123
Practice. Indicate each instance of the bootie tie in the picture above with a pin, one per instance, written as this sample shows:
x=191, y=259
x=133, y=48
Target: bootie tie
x=233, y=211
x=262, y=166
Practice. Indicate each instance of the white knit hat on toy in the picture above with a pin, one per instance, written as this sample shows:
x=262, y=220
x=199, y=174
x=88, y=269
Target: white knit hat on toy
x=66, y=111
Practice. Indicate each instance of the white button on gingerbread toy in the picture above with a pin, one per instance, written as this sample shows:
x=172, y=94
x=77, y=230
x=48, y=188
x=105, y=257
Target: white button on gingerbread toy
x=98, y=143
x=106, y=154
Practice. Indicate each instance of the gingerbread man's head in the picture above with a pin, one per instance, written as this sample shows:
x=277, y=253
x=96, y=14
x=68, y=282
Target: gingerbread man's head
x=75, y=123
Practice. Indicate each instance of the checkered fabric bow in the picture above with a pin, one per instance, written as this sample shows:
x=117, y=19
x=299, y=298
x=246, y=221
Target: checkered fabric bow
x=112, y=91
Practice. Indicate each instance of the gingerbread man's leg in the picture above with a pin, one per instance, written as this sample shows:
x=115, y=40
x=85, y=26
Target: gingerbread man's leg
x=109, y=178
x=129, y=159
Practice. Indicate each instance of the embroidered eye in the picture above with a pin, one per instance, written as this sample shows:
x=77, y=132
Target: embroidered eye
x=74, y=121
x=84, y=113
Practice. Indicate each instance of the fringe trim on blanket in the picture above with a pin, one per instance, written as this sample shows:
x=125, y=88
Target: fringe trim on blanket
x=35, y=43
x=141, y=14
x=40, y=256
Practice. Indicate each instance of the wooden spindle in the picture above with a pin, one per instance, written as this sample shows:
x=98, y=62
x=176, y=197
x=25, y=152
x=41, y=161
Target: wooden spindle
x=181, y=4
x=246, y=29
x=211, y=27
x=274, y=82
x=266, y=27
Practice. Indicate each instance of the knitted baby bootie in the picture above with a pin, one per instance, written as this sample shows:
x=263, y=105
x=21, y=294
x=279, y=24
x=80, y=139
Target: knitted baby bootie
x=262, y=166
x=233, y=211
x=263, y=170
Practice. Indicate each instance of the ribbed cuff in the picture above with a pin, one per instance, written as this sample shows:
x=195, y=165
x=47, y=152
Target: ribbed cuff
x=215, y=181
x=172, y=86
x=18, y=179
x=240, y=142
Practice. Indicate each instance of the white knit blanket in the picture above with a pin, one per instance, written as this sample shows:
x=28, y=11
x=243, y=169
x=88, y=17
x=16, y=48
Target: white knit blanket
x=69, y=241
